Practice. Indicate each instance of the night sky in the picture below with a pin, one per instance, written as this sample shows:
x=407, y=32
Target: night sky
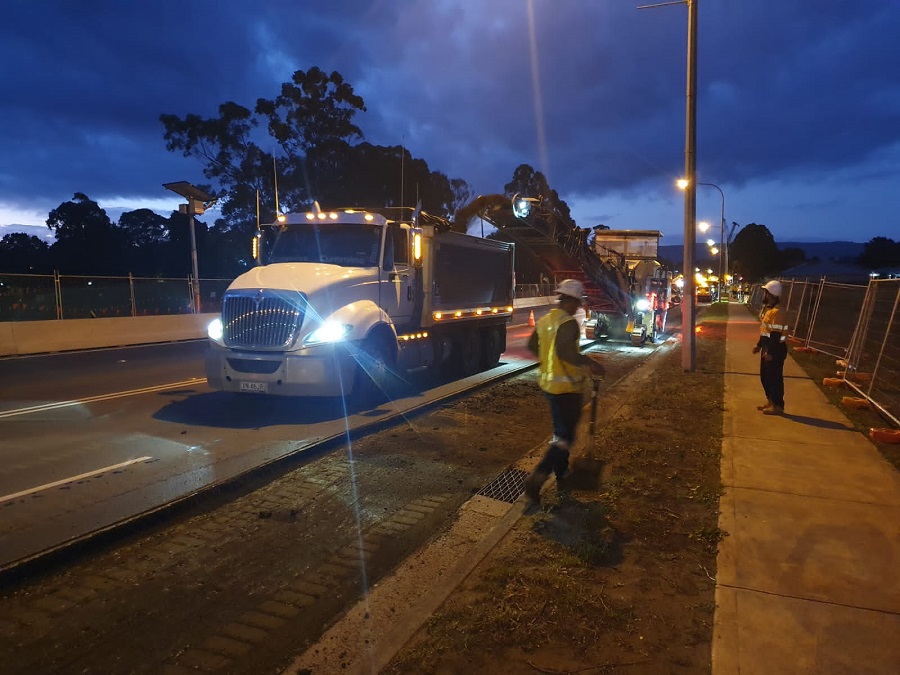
x=798, y=100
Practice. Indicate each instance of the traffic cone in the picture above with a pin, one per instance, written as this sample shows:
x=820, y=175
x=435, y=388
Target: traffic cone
x=531, y=318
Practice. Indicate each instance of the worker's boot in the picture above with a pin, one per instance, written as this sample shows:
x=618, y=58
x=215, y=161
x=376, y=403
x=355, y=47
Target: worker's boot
x=533, y=485
x=765, y=406
x=564, y=483
x=773, y=410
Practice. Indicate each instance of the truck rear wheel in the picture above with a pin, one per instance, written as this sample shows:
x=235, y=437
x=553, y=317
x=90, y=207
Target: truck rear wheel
x=469, y=352
x=492, y=347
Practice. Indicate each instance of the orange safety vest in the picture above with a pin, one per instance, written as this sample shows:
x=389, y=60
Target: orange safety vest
x=773, y=320
x=555, y=375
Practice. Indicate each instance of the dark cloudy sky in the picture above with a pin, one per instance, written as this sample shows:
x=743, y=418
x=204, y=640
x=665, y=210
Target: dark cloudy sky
x=798, y=100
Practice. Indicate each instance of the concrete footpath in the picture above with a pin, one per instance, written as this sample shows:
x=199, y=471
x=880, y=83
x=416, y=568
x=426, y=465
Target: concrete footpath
x=808, y=577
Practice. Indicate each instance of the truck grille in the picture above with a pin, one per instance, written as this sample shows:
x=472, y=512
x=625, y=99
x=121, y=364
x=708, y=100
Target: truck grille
x=261, y=319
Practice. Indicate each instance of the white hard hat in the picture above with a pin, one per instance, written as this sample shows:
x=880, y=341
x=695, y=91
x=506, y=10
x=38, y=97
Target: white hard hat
x=571, y=287
x=774, y=287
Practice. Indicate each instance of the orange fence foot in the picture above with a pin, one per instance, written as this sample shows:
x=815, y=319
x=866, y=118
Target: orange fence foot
x=885, y=435
x=854, y=402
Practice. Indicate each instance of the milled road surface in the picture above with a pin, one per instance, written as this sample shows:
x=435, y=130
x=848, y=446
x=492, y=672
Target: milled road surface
x=249, y=582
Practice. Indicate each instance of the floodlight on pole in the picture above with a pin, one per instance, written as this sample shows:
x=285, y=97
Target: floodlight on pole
x=197, y=201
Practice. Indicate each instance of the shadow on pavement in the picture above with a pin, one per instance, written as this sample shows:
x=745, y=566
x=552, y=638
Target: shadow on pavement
x=816, y=422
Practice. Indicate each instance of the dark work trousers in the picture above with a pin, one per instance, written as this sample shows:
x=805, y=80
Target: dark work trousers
x=565, y=409
x=771, y=374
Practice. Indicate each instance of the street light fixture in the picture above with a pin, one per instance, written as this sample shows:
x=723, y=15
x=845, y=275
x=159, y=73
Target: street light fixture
x=682, y=184
x=197, y=201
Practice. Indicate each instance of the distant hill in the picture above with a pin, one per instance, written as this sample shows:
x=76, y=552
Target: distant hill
x=838, y=251
x=826, y=250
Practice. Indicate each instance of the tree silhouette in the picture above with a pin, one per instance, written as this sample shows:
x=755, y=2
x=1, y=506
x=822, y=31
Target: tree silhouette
x=880, y=252
x=87, y=242
x=754, y=253
x=22, y=253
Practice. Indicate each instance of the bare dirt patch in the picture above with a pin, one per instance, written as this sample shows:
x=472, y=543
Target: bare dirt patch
x=616, y=573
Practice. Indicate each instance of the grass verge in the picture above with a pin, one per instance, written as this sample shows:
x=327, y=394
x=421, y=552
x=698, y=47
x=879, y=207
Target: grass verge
x=618, y=573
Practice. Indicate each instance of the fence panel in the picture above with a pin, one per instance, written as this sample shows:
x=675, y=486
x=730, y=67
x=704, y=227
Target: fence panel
x=27, y=297
x=94, y=297
x=211, y=292
x=874, y=359
x=835, y=319
x=35, y=297
x=161, y=296
x=800, y=298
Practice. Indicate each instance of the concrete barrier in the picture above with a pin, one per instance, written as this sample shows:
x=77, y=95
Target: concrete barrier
x=38, y=337
x=18, y=338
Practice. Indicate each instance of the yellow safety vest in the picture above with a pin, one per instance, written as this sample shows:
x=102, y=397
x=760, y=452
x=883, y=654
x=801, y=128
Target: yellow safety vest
x=556, y=376
x=772, y=320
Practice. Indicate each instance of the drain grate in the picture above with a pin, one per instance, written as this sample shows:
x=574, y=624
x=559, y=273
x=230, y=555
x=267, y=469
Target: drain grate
x=506, y=487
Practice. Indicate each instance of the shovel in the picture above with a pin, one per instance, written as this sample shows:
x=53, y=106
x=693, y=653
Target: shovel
x=594, y=397
x=587, y=468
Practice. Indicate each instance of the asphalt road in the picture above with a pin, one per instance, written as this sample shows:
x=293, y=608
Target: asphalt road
x=95, y=438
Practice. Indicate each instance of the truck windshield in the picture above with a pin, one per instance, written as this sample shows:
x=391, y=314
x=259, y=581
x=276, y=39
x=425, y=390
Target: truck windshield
x=345, y=244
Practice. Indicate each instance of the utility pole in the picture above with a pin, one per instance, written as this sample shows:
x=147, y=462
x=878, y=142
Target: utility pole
x=689, y=305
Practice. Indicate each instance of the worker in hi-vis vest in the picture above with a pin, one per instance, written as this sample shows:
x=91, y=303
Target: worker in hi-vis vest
x=772, y=348
x=563, y=373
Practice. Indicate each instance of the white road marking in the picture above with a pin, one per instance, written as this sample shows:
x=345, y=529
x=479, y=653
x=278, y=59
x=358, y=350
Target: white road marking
x=101, y=397
x=47, y=486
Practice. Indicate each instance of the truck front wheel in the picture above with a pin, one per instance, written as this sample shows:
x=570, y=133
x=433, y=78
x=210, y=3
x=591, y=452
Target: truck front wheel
x=373, y=372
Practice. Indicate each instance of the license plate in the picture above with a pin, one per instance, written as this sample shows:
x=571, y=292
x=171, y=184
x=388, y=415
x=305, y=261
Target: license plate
x=255, y=387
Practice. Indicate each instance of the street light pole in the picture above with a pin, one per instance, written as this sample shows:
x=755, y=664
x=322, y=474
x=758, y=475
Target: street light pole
x=722, y=250
x=197, y=200
x=194, y=266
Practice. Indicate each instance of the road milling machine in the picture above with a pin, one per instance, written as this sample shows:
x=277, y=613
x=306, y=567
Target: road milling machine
x=626, y=287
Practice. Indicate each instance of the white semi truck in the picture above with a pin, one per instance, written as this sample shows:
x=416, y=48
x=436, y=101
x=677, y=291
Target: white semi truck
x=350, y=300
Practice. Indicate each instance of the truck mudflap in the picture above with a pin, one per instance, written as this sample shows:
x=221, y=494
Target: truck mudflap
x=327, y=370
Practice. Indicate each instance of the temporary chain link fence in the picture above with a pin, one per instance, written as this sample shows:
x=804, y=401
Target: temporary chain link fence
x=873, y=359
x=34, y=297
x=857, y=324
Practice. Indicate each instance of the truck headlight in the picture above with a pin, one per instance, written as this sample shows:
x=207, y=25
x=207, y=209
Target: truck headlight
x=214, y=330
x=330, y=331
x=642, y=305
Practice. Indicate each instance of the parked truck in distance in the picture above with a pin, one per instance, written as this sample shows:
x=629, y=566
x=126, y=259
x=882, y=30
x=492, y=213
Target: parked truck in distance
x=350, y=300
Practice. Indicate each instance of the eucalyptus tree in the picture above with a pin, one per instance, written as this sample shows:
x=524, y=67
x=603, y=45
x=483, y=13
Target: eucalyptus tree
x=754, y=253
x=87, y=241
x=22, y=253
